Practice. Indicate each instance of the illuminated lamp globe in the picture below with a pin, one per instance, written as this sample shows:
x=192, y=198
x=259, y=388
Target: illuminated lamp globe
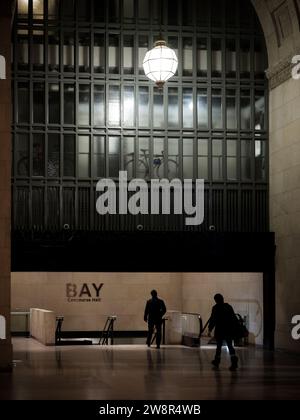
x=160, y=63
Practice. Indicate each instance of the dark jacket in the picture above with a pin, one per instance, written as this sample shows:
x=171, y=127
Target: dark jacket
x=224, y=321
x=155, y=310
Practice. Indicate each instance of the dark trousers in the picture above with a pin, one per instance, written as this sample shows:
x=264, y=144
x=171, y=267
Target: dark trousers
x=229, y=345
x=151, y=325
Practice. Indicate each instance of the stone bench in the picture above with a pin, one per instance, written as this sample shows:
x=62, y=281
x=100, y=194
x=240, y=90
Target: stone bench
x=43, y=325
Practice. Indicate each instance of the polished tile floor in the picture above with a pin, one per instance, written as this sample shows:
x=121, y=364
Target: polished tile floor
x=134, y=372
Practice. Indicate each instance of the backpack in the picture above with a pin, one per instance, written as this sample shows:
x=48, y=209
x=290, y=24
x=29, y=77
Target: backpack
x=240, y=330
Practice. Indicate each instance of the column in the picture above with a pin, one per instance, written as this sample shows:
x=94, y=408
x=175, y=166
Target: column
x=5, y=187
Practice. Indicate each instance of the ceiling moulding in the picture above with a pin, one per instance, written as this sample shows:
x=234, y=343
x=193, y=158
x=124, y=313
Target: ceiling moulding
x=282, y=71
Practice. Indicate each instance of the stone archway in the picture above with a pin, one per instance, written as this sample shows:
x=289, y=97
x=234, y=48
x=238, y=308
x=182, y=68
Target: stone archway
x=280, y=21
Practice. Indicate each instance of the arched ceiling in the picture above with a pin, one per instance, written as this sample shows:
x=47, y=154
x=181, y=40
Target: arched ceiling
x=280, y=20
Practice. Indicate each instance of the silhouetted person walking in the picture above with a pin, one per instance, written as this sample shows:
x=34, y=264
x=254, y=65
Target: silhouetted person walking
x=224, y=321
x=154, y=312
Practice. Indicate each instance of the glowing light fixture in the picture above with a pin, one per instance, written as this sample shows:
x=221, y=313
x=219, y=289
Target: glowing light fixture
x=160, y=63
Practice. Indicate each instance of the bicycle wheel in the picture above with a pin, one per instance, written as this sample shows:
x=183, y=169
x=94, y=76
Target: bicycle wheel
x=172, y=170
x=142, y=171
x=129, y=167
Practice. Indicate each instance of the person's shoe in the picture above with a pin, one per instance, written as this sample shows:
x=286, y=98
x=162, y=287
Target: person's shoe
x=234, y=363
x=216, y=362
x=158, y=347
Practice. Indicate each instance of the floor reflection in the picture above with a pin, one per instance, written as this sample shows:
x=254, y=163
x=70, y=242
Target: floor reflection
x=154, y=373
x=136, y=372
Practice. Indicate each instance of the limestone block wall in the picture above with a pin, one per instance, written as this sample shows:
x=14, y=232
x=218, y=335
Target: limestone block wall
x=125, y=294
x=5, y=187
x=280, y=21
x=285, y=205
x=122, y=294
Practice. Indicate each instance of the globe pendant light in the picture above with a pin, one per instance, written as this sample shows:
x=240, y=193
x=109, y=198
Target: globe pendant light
x=160, y=63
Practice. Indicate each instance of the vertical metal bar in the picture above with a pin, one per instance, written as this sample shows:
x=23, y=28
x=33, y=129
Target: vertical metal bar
x=120, y=29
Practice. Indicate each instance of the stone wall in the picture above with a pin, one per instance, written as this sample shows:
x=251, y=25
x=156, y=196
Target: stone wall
x=122, y=294
x=280, y=20
x=125, y=294
x=5, y=188
x=285, y=204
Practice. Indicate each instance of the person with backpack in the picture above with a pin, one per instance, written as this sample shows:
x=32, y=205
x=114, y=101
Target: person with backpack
x=224, y=321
